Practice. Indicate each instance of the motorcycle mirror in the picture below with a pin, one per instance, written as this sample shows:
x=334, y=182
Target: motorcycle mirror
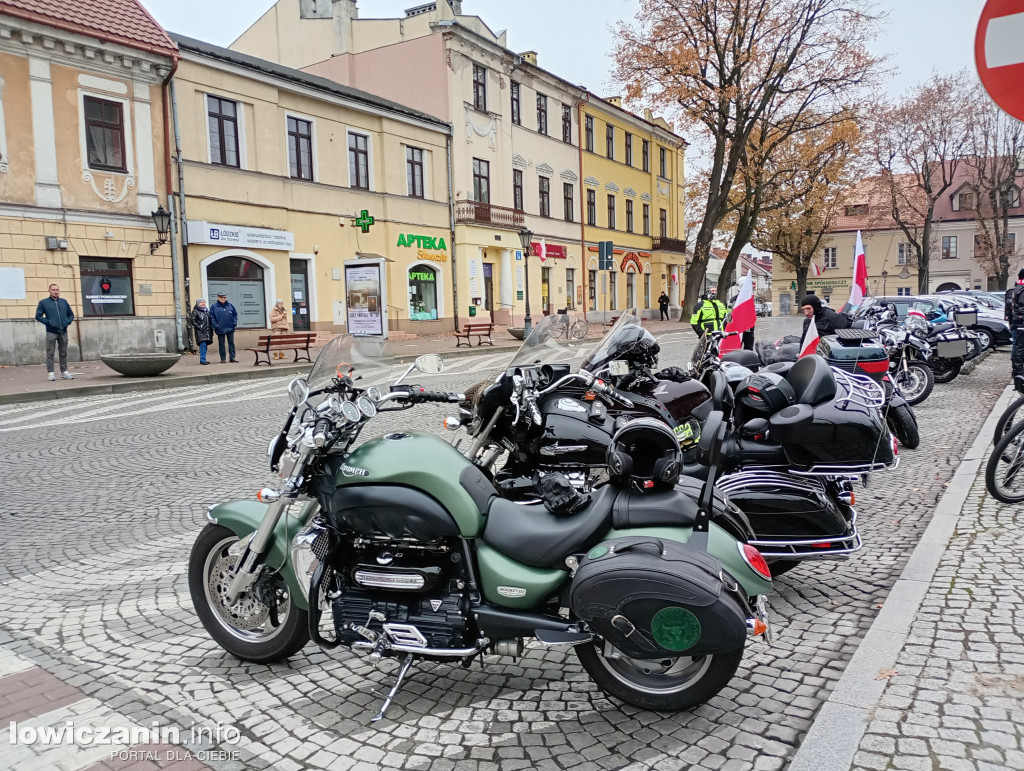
x=298, y=391
x=430, y=364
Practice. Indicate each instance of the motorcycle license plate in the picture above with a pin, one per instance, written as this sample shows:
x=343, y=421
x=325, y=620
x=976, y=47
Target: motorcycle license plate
x=952, y=349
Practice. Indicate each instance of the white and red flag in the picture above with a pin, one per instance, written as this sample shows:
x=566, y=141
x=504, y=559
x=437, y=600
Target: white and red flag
x=744, y=316
x=810, y=342
x=543, y=250
x=859, y=288
x=815, y=270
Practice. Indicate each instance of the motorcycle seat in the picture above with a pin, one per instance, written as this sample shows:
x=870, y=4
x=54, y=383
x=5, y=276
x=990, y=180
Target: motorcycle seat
x=748, y=359
x=672, y=508
x=531, y=534
x=812, y=380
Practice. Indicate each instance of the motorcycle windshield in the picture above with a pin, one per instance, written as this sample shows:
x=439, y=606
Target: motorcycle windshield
x=567, y=338
x=369, y=358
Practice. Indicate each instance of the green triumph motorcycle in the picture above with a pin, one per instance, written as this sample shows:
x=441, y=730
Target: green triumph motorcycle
x=400, y=548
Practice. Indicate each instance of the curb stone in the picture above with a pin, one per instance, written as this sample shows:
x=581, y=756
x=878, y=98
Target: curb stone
x=834, y=738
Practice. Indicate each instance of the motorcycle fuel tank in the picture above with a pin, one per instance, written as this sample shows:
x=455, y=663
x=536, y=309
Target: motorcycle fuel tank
x=680, y=399
x=576, y=432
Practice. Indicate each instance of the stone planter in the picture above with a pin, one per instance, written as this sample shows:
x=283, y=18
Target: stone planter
x=516, y=332
x=140, y=364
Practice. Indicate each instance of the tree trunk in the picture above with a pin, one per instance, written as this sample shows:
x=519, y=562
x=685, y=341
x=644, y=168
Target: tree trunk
x=925, y=258
x=695, y=274
x=801, y=286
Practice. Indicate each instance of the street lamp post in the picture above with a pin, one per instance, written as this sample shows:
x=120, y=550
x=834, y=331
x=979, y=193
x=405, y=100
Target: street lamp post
x=526, y=238
x=162, y=222
x=885, y=275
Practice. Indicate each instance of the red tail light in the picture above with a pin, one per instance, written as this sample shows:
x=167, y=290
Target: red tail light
x=754, y=559
x=874, y=367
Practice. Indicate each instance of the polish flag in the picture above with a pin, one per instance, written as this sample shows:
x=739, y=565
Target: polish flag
x=810, y=342
x=859, y=288
x=815, y=269
x=543, y=251
x=743, y=316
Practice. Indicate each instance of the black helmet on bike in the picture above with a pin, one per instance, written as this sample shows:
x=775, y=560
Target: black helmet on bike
x=646, y=452
x=631, y=343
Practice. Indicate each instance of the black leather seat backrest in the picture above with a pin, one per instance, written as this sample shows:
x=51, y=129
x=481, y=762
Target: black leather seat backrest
x=812, y=380
x=748, y=359
x=721, y=395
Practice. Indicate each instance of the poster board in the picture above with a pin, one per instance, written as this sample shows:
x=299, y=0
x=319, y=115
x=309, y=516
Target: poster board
x=365, y=298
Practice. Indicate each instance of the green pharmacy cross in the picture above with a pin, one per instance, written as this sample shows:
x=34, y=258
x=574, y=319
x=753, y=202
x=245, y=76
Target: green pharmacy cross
x=364, y=221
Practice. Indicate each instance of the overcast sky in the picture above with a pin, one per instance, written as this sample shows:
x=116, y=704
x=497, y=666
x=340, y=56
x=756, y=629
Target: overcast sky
x=574, y=38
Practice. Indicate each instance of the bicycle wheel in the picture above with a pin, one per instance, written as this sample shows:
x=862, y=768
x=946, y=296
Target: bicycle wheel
x=579, y=330
x=1004, y=473
x=1009, y=419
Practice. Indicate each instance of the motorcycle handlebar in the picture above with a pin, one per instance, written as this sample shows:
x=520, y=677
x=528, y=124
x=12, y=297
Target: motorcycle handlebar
x=320, y=429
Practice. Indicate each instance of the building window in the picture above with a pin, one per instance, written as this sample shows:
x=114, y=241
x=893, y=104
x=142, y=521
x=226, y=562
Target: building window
x=903, y=291
x=1009, y=198
x=422, y=293
x=104, y=134
x=904, y=254
x=359, y=161
x=517, y=117
x=647, y=219
x=831, y=257
x=662, y=163
x=300, y=148
x=646, y=152
x=629, y=149
x=570, y=287
x=592, y=289
x=963, y=201
x=611, y=212
x=480, y=88
x=222, y=117
x=857, y=210
x=663, y=223
x=542, y=114
x=517, y=189
x=631, y=290
x=107, y=287
x=949, y=247
x=612, y=304
x=647, y=290
x=609, y=135
x=481, y=181
x=589, y=123
x=414, y=171
x=544, y=187
x=591, y=207
x=568, y=200
x=567, y=124
x=629, y=216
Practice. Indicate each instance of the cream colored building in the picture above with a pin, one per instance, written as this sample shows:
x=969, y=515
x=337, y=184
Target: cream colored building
x=279, y=167
x=82, y=167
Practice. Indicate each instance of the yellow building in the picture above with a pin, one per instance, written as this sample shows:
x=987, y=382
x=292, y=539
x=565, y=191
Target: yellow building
x=301, y=189
x=81, y=170
x=633, y=188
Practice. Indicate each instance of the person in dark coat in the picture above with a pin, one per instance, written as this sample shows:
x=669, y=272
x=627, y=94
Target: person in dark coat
x=224, y=318
x=1015, y=317
x=203, y=327
x=663, y=302
x=55, y=314
x=825, y=319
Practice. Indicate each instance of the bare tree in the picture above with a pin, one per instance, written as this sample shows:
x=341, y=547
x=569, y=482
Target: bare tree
x=728, y=67
x=918, y=144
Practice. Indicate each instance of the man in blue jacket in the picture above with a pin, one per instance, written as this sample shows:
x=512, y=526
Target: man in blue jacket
x=225, y=319
x=55, y=314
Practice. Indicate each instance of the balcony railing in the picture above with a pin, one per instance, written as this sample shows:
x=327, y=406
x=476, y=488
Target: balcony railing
x=669, y=245
x=489, y=214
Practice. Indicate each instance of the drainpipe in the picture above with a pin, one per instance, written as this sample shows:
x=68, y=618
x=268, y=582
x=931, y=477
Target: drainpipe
x=451, y=227
x=179, y=325
x=181, y=202
x=585, y=267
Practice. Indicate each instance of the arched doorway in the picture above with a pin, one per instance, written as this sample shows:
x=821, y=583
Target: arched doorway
x=426, y=293
x=949, y=286
x=243, y=280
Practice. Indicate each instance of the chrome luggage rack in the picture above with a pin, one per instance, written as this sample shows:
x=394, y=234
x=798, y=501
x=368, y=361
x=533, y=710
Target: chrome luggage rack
x=861, y=390
x=841, y=469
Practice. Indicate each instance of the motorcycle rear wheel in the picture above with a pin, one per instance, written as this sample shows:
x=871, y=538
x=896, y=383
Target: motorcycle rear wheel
x=1004, y=472
x=1008, y=420
x=243, y=629
x=946, y=370
x=902, y=422
x=916, y=383
x=668, y=685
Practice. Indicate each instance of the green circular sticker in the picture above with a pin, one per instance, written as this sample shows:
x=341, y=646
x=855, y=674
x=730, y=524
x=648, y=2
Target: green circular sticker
x=597, y=551
x=675, y=629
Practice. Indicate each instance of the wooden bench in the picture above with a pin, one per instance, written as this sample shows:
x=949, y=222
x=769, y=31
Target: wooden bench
x=298, y=342
x=480, y=330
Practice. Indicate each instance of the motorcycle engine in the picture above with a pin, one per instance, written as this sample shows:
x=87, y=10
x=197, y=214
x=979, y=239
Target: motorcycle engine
x=402, y=582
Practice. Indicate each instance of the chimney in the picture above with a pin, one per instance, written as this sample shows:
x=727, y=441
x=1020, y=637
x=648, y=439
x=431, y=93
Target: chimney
x=315, y=9
x=530, y=57
x=456, y=6
x=614, y=100
x=344, y=12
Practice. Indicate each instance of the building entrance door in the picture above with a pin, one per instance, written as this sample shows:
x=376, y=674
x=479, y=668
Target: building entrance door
x=489, y=288
x=785, y=304
x=300, y=295
x=545, y=290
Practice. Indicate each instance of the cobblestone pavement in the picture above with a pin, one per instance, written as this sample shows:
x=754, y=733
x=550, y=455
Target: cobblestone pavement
x=104, y=495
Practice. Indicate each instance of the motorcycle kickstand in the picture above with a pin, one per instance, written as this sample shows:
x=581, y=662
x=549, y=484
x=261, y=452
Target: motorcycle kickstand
x=406, y=663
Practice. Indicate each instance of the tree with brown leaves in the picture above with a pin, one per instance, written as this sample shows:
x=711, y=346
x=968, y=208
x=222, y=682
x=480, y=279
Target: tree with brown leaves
x=729, y=68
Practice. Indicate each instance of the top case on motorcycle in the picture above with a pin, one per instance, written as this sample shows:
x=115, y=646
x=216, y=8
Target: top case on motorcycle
x=748, y=359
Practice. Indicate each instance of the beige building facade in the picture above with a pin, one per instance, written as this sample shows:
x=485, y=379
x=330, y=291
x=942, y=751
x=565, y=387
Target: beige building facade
x=304, y=190
x=82, y=168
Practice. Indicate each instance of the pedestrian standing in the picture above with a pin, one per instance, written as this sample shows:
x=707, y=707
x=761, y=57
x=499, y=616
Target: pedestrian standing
x=224, y=318
x=203, y=326
x=279, y=323
x=1015, y=315
x=663, y=302
x=55, y=314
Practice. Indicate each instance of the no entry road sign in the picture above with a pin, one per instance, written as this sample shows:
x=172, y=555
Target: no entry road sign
x=999, y=54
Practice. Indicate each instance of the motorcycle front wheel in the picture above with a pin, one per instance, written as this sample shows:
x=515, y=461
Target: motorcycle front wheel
x=903, y=424
x=946, y=370
x=1004, y=473
x=662, y=685
x=916, y=383
x=244, y=629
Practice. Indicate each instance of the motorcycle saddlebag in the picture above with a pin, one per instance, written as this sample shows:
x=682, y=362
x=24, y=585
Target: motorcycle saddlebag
x=653, y=598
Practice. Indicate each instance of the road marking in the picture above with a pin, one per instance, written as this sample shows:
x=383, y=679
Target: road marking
x=1004, y=41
